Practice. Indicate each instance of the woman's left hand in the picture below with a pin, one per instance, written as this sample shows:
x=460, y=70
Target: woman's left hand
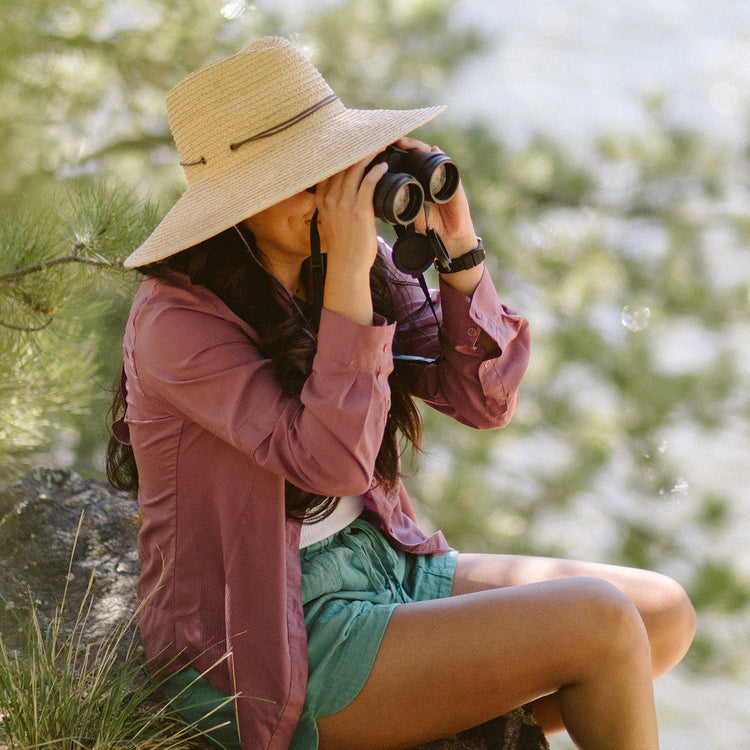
x=451, y=220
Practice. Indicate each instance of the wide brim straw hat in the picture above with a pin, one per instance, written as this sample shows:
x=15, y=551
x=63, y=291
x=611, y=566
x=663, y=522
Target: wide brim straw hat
x=256, y=128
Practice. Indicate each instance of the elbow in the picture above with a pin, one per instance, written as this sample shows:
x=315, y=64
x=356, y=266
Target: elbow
x=346, y=465
x=355, y=483
x=356, y=486
x=355, y=477
x=332, y=468
x=341, y=477
x=489, y=424
x=505, y=411
x=496, y=414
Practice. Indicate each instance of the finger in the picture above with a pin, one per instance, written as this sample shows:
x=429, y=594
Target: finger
x=351, y=177
x=412, y=144
x=371, y=179
x=358, y=185
x=347, y=180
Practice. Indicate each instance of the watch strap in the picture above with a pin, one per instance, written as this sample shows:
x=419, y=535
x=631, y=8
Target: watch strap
x=462, y=262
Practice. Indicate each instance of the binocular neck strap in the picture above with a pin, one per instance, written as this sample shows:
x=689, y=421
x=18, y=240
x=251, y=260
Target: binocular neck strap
x=318, y=271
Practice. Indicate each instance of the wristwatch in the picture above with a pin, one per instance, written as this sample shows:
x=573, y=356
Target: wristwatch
x=463, y=262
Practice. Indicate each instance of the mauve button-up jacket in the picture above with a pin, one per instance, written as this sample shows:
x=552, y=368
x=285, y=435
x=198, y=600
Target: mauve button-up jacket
x=215, y=439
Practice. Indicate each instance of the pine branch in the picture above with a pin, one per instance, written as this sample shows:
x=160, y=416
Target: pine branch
x=12, y=279
x=26, y=329
x=73, y=257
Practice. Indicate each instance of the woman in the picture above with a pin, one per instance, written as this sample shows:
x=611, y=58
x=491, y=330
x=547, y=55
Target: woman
x=280, y=555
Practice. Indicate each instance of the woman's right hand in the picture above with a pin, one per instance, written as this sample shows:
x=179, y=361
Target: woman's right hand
x=346, y=223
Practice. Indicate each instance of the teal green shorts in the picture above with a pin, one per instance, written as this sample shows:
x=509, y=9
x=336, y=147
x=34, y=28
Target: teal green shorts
x=351, y=583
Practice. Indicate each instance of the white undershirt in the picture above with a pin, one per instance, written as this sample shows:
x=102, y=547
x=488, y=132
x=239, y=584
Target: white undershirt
x=348, y=510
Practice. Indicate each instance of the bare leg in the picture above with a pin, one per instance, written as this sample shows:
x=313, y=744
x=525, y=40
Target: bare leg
x=662, y=603
x=450, y=664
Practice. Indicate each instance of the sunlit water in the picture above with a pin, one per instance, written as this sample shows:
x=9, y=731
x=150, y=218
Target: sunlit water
x=576, y=68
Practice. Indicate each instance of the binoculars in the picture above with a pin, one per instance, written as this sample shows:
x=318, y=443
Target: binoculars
x=412, y=179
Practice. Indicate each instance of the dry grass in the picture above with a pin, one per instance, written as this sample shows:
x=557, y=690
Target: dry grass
x=60, y=691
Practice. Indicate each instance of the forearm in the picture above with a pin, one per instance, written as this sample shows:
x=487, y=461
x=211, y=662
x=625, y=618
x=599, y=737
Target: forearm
x=485, y=348
x=348, y=294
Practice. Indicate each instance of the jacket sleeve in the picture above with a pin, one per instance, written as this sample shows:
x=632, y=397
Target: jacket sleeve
x=201, y=364
x=469, y=384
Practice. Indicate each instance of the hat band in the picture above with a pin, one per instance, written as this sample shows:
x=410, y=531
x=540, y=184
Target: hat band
x=287, y=123
x=271, y=131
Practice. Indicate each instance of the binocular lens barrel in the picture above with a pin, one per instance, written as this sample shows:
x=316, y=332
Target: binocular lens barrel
x=412, y=179
x=398, y=198
x=437, y=175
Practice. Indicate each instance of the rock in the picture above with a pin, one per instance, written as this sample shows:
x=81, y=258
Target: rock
x=39, y=518
x=516, y=730
x=42, y=550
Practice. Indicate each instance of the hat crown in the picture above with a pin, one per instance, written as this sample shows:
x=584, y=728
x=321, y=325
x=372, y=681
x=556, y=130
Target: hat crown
x=266, y=84
x=252, y=130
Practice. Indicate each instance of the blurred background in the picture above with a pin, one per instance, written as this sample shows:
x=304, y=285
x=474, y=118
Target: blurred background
x=606, y=151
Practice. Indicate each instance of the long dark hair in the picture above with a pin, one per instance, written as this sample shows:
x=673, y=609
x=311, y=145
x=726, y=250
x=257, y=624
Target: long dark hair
x=287, y=329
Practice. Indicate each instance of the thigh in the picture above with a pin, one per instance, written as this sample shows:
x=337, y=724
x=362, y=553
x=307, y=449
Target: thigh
x=480, y=572
x=453, y=663
x=662, y=603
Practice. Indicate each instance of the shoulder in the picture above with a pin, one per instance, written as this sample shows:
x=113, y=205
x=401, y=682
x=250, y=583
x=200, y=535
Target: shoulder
x=173, y=294
x=176, y=289
x=170, y=313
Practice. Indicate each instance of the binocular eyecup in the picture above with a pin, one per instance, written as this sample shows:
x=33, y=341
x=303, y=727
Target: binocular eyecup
x=412, y=179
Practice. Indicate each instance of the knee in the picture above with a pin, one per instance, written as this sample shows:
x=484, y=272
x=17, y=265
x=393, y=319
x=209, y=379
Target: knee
x=671, y=622
x=677, y=607
x=611, y=626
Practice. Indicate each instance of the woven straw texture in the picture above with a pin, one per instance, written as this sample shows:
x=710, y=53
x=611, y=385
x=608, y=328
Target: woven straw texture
x=268, y=86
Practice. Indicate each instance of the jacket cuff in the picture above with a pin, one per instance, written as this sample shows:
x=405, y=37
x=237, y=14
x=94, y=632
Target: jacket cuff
x=464, y=318
x=353, y=345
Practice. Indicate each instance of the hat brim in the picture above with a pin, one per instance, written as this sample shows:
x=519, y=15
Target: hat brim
x=315, y=153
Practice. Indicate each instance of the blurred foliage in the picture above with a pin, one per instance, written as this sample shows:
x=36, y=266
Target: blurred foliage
x=632, y=268
x=83, y=85
x=629, y=261
x=52, y=306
